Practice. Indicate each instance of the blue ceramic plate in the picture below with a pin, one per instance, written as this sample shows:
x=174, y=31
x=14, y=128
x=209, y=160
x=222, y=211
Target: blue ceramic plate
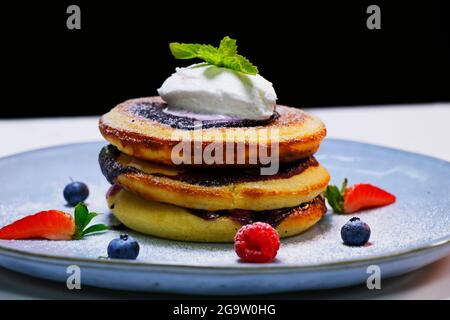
x=407, y=235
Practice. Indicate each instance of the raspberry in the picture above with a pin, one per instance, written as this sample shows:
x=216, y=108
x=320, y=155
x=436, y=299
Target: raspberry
x=257, y=242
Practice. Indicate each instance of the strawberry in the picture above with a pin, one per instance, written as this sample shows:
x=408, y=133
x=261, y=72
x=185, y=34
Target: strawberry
x=53, y=225
x=364, y=195
x=357, y=197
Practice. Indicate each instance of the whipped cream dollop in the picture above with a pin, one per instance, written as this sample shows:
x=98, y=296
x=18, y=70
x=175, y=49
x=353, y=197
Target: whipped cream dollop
x=206, y=89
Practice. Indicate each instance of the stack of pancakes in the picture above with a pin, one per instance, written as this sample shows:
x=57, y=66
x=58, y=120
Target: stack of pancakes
x=209, y=202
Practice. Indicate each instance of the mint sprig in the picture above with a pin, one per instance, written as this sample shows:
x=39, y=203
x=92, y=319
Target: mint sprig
x=82, y=219
x=335, y=197
x=225, y=55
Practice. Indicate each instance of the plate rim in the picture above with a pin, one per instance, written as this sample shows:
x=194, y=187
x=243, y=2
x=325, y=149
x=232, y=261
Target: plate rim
x=428, y=246
x=244, y=268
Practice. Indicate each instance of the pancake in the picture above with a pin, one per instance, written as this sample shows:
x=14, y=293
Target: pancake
x=177, y=223
x=141, y=128
x=216, y=189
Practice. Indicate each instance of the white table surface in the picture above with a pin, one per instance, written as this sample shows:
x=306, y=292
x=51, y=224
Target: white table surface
x=423, y=128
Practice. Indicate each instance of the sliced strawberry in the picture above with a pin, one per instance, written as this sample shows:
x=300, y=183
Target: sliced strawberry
x=51, y=224
x=357, y=197
x=364, y=195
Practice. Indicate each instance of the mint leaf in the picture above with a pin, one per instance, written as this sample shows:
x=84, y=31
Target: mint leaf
x=335, y=197
x=89, y=218
x=184, y=50
x=239, y=63
x=210, y=54
x=228, y=47
x=224, y=56
x=81, y=213
x=95, y=228
x=82, y=219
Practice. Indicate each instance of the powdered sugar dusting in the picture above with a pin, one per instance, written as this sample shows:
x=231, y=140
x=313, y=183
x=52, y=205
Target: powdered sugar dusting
x=420, y=215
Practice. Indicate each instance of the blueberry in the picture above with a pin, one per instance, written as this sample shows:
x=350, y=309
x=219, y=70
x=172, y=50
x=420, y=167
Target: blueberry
x=355, y=232
x=124, y=247
x=75, y=192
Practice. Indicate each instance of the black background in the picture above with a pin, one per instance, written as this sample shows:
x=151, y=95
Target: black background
x=316, y=53
x=285, y=309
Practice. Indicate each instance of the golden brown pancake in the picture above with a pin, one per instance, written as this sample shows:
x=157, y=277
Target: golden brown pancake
x=177, y=223
x=217, y=188
x=141, y=128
